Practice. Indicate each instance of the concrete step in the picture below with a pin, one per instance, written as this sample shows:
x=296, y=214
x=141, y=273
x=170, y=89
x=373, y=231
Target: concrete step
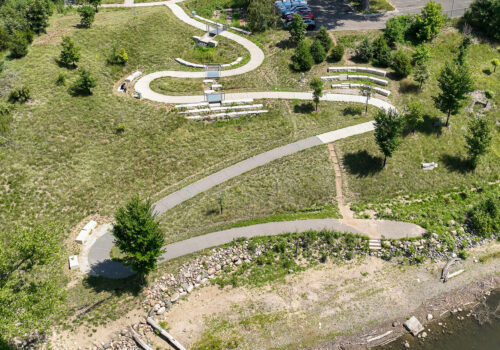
x=375, y=244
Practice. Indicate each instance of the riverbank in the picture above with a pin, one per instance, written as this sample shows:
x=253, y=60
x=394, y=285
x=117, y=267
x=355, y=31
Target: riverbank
x=477, y=328
x=350, y=303
x=333, y=303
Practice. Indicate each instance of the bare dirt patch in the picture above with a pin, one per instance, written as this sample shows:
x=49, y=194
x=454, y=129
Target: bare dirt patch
x=318, y=304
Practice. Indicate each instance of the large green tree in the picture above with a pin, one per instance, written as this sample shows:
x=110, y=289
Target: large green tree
x=38, y=14
x=388, y=125
x=324, y=38
x=430, y=21
x=484, y=16
x=30, y=279
x=297, y=29
x=261, y=15
x=455, y=82
x=138, y=235
x=302, y=59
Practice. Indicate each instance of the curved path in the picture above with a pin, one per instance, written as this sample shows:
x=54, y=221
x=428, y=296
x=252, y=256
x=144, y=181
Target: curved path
x=99, y=262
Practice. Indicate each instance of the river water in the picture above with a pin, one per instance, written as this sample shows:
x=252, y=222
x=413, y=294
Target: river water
x=480, y=331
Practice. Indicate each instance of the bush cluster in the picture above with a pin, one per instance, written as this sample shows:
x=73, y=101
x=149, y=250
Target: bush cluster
x=484, y=16
x=20, y=95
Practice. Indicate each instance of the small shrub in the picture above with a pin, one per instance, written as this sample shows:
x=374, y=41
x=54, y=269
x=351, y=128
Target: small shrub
x=401, y=64
x=20, y=95
x=349, y=255
x=87, y=15
x=61, y=80
x=85, y=83
x=5, y=118
x=318, y=52
x=364, y=51
x=337, y=53
x=462, y=254
x=353, y=110
x=70, y=54
x=414, y=115
x=489, y=94
x=484, y=219
x=118, y=56
x=421, y=55
x=120, y=129
x=18, y=45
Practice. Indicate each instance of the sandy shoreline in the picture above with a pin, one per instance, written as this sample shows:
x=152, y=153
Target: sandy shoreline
x=458, y=300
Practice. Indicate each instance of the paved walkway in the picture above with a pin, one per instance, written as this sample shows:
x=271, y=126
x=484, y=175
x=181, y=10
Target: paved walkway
x=99, y=262
x=246, y=165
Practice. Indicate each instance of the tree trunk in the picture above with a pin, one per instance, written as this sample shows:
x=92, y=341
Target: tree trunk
x=448, y=119
x=365, y=5
x=385, y=161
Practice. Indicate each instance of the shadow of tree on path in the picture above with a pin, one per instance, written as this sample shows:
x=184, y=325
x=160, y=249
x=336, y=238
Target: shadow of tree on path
x=362, y=163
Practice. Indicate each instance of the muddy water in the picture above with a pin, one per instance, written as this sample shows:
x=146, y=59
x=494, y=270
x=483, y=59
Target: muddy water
x=479, y=331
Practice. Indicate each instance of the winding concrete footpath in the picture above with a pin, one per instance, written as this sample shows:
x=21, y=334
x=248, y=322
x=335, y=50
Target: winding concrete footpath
x=97, y=256
x=100, y=264
x=221, y=176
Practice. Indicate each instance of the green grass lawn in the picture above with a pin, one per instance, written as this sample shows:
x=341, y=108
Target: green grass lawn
x=295, y=187
x=68, y=161
x=446, y=146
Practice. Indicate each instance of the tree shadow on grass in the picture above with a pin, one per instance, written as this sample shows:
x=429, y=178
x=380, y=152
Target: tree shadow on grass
x=408, y=87
x=430, y=125
x=457, y=164
x=304, y=108
x=362, y=164
x=487, y=71
x=124, y=280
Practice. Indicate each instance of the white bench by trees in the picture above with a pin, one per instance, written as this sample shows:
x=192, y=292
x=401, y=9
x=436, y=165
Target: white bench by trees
x=354, y=69
x=378, y=90
x=133, y=76
x=85, y=232
x=356, y=77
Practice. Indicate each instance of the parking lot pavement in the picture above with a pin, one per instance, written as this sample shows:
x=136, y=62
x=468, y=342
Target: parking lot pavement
x=338, y=15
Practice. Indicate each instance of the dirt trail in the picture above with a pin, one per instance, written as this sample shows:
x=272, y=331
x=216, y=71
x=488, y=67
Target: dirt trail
x=344, y=208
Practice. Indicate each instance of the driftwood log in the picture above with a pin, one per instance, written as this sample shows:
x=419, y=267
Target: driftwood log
x=165, y=334
x=139, y=341
x=446, y=269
